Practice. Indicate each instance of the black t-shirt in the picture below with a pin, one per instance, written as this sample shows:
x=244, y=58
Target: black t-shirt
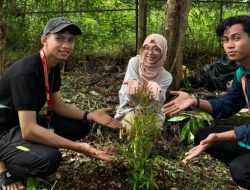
x=22, y=87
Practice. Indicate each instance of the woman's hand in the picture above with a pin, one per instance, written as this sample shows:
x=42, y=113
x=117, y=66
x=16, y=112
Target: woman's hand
x=154, y=87
x=101, y=117
x=182, y=101
x=132, y=86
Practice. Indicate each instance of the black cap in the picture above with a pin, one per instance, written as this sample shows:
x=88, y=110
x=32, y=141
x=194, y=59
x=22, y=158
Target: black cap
x=55, y=25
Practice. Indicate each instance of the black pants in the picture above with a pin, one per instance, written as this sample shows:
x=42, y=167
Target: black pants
x=40, y=160
x=230, y=153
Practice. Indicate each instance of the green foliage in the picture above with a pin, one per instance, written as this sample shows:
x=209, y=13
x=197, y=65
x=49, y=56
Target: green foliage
x=108, y=32
x=200, y=38
x=156, y=15
x=194, y=123
x=33, y=183
x=142, y=135
x=169, y=167
x=104, y=31
x=142, y=176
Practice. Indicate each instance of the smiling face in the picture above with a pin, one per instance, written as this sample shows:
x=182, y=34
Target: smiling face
x=151, y=53
x=236, y=43
x=58, y=46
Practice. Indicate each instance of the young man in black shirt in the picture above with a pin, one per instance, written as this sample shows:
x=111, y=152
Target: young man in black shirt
x=29, y=142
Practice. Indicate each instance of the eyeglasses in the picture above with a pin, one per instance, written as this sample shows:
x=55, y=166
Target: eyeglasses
x=154, y=49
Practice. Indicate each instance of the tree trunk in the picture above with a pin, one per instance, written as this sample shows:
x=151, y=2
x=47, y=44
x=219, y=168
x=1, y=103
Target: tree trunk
x=142, y=23
x=2, y=37
x=174, y=31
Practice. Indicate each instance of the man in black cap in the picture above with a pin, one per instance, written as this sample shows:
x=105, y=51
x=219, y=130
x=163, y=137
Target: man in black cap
x=29, y=141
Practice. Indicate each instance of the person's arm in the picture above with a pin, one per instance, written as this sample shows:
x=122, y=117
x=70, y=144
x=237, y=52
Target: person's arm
x=204, y=105
x=243, y=135
x=132, y=78
x=164, y=82
x=210, y=140
x=154, y=87
x=65, y=110
x=132, y=86
x=224, y=107
x=229, y=104
x=183, y=101
x=31, y=131
x=99, y=116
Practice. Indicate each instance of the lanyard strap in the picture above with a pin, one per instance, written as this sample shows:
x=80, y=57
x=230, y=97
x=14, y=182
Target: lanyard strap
x=243, y=83
x=47, y=89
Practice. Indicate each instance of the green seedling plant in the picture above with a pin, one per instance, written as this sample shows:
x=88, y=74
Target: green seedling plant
x=142, y=136
x=196, y=121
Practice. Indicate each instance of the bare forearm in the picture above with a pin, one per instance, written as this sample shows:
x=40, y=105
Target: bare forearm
x=226, y=136
x=42, y=135
x=31, y=131
x=69, y=111
x=206, y=106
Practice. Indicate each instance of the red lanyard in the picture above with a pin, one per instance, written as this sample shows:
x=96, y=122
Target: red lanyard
x=47, y=89
x=243, y=83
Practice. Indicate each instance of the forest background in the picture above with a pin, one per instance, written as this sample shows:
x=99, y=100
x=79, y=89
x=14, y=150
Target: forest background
x=109, y=27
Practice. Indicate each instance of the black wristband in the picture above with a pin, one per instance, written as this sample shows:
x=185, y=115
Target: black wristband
x=198, y=102
x=85, y=118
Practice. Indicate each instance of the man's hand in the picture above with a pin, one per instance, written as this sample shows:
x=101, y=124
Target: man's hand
x=182, y=101
x=205, y=144
x=90, y=151
x=194, y=152
x=132, y=86
x=154, y=87
x=101, y=117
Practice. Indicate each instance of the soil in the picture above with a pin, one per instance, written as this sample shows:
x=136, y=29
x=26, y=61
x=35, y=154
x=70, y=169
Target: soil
x=97, y=85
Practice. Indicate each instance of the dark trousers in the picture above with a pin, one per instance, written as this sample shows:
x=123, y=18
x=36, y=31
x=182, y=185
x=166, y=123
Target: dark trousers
x=230, y=153
x=34, y=159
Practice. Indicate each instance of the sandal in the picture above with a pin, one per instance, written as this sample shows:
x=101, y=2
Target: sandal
x=6, y=178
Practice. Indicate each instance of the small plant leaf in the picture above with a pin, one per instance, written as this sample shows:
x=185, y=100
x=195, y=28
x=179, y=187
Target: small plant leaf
x=184, y=132
x=178, y=118
x=205, y=116
x=190, y=137
x=3, y=106
x=32, y=183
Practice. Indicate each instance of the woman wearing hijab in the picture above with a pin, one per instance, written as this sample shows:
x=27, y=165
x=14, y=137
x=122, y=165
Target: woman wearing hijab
x=145, y=67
